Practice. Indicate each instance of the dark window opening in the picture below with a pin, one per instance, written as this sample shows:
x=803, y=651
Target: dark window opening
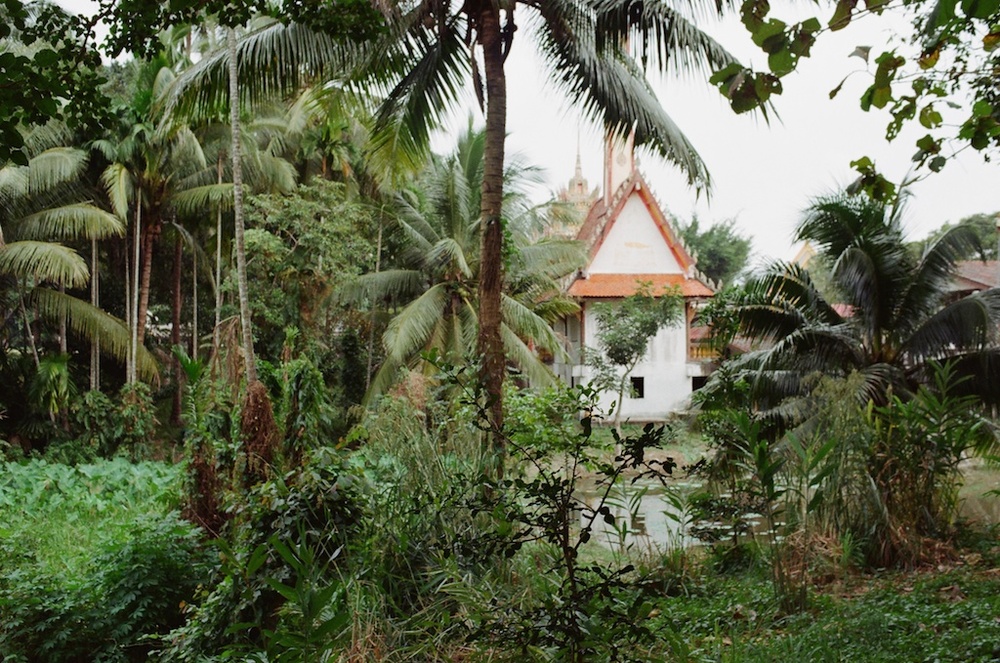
x=638, y=387
x=698, y=381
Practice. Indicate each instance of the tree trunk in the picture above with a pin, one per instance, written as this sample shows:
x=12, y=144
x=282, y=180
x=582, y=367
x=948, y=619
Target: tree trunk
x=95, y=301
x=148, y=238
x=63, y=345
x=175, y=330
x=194, y=302
x=29, y=332
x=371, y=319
x=241, y=256
x=218, y=266
x=134, y=304
x=490, y=343
x=128, y=308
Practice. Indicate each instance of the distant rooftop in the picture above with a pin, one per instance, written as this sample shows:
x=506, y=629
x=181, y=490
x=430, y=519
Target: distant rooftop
x=972, y=275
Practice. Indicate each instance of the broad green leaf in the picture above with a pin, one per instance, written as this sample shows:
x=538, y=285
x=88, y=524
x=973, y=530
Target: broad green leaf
x=929, y=117
x=842, y=14
x=982, y=9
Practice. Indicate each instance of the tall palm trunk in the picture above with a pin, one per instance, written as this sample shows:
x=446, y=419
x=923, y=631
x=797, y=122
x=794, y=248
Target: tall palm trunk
x=148, y=239
x=28, y=331
x=134, y=293
x=490, y=344
x=218, y=265
x=95, y=301
x=371, y=318
x=63, y=345
x=194, y=302
x=175, y=329
x=241, y=256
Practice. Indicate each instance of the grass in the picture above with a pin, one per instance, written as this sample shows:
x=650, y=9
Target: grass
x=946, y=613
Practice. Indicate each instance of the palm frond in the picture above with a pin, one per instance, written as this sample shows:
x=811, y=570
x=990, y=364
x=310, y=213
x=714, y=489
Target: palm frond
x=421, y=74
x=44, y=262
x=283, y=57
x=93, y=323
x=55, y=166
x=527, y=325
x=552, y=257
x=268, y=173
x=661, y=35
x=391, y=284
x=202, y=199
x=971, y=323
x=447, y=251
x=934, y=273
x=792, y=286
x=519, y=354
x=410, y=330
x=420, y=233
x=556, y=308
x=76, y=221
x=817, y=348
x=610, y=88
x=13, y=183
x=120, y=185
x=832, y=224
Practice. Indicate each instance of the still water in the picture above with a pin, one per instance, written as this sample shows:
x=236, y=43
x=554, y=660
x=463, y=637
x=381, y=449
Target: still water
x=653, y=516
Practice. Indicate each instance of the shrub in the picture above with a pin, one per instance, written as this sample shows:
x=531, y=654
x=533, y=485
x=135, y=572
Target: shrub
x=314, y=508
x=134, y=590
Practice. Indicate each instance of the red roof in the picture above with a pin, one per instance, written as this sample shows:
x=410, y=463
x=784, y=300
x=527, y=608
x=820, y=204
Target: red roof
x=976, y=275
x=624, y=285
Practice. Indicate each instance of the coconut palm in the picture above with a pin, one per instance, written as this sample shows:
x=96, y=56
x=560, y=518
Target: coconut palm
x=433, y=50
x=436, y=287
x=583, y=44
x=893, y=324
x=40, y=207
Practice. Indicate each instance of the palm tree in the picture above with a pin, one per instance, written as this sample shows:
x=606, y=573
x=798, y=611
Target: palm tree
x=585, y=47
x=40, y=207
x=893, y=324
x=432, y=48
x=436, y=288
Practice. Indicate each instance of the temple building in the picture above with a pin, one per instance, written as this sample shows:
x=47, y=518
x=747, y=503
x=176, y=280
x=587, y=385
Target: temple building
x=632, y=241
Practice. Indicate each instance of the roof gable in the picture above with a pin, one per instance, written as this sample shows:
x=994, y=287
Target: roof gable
x=632, y=240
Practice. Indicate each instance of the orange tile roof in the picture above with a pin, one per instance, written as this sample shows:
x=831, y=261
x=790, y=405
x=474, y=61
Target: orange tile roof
x=624, y=285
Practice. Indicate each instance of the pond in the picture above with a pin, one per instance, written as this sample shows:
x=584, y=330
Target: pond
x=650, y=515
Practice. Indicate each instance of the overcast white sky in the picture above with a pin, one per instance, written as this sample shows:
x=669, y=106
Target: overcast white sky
x=763, y=175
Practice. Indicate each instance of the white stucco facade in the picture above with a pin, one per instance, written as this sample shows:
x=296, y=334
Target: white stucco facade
x=663, y=371
x=634, y=245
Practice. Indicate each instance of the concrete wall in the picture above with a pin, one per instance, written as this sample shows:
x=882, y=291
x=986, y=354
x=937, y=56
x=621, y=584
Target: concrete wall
x=664, y=370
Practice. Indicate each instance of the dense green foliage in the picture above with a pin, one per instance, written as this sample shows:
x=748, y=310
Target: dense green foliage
x=301, y=522
x=879, y=395
x=723, y=252
x=95, y=560
x=893, y=323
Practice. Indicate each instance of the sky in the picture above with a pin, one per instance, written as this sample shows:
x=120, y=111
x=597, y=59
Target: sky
x=763, y=174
